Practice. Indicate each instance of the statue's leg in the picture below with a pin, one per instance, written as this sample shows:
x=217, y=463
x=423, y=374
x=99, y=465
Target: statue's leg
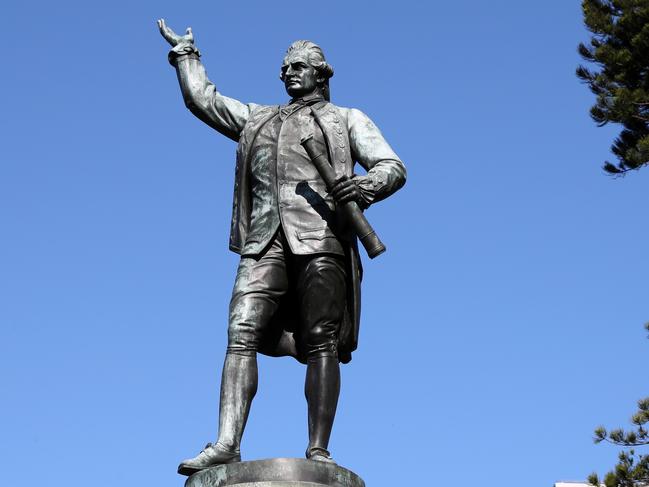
x=259, y=286
x=238, y=388
x=321, y=291
x=321, y=387
x=261, y=282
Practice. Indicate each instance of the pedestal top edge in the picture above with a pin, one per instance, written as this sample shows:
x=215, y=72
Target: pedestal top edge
x=273, y=471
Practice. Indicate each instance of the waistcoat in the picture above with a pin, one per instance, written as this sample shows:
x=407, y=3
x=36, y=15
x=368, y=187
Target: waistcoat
x=307, y=212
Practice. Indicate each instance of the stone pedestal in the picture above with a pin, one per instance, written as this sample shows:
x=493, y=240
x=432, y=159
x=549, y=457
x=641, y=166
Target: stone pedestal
x=277, y=472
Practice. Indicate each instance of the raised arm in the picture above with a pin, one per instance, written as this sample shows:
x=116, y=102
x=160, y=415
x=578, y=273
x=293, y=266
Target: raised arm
x=224, y=114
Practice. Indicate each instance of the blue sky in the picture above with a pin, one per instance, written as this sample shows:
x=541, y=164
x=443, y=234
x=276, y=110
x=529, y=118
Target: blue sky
x=501, y=327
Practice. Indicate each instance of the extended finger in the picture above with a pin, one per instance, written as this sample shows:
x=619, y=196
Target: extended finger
x=169, y=34
x=165, y=31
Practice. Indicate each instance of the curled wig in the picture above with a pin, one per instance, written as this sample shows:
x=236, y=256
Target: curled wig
x=316, y=60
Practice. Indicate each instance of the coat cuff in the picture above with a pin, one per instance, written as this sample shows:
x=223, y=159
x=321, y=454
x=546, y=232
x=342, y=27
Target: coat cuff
x=366, y=189
x=181, y=50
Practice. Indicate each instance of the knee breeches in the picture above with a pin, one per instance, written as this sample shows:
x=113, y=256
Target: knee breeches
x=318, y=283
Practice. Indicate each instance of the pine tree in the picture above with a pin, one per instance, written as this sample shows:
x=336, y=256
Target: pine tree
x=619, y=48
x=631, y=470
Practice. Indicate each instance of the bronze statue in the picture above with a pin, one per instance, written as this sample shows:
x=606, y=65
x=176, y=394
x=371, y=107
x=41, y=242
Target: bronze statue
x=297, y=290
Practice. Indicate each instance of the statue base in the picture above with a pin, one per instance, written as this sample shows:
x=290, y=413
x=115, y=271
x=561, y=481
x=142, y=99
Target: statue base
x=276, y=472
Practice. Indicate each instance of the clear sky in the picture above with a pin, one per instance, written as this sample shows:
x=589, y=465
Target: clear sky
x=501, y=327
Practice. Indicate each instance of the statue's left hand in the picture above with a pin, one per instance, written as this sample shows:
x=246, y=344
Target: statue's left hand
x=346, y=190
x=172, y=38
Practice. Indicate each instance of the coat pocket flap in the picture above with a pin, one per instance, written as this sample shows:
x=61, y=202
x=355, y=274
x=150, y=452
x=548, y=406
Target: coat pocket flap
x=316, y=234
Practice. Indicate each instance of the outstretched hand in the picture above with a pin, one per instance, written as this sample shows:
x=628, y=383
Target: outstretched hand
x=173, y=38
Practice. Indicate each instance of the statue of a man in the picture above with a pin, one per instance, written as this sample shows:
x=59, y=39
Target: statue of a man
x=297, y=290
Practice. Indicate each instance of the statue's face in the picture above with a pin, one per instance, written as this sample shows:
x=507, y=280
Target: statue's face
x=300, y=78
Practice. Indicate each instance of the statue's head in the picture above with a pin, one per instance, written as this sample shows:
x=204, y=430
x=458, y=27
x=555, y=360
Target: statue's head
x=305, y=71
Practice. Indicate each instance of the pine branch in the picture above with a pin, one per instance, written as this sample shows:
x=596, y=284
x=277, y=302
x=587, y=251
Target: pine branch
x=619, y=51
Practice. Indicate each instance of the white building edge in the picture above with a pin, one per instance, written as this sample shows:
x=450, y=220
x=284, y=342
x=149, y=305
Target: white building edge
x=570, y=483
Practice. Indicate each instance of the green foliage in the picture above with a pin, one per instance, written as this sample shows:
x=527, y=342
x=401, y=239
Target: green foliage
x=631, y=470
x=619, y=49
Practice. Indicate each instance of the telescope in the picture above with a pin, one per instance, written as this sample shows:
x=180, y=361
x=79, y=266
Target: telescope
x=354, y=215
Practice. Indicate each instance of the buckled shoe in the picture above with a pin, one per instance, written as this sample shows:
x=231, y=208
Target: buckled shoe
x=212, y=454
x=319, y=455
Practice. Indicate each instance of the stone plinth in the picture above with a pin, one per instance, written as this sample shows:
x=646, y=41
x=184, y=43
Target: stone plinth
x=277, y=472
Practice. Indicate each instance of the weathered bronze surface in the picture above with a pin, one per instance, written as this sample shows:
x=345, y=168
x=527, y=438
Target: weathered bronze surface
x=350, y=210
x=278, y=472
x=297, y=290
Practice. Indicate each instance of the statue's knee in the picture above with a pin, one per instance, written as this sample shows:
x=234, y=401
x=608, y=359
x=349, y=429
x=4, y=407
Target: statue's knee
x=242, y=338
x=321, y=340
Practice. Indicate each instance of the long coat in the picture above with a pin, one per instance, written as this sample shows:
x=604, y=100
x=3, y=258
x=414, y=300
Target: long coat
x=350, y=137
